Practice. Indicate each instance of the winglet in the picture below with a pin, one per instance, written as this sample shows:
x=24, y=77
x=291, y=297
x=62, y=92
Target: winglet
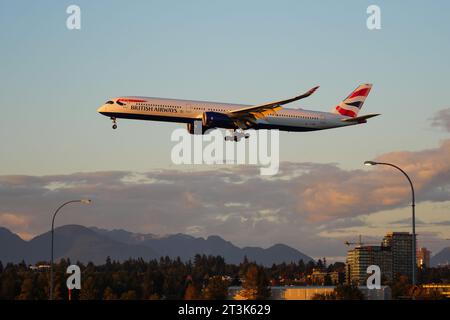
x=310, y=92
x=313, y=90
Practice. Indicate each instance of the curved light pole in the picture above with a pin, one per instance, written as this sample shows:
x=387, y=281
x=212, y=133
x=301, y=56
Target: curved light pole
x=413, y=206
x=84, y=201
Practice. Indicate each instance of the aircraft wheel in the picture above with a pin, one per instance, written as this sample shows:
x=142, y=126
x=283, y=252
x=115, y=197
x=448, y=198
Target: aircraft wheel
x=114, y=126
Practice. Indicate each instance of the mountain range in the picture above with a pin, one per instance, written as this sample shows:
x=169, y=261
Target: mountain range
x=93, y=244
x=441, y=258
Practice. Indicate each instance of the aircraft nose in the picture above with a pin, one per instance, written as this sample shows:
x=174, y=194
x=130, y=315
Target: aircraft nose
x=102, y=109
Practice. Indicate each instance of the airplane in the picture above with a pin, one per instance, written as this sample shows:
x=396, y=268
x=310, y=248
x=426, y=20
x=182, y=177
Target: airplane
x=239, y=117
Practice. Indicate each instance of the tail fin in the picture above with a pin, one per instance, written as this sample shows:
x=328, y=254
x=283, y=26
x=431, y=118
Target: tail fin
x=354, y=102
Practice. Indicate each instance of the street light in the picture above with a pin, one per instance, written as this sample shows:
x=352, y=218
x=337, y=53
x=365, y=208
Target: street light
x=83, y=201
x=413, y=206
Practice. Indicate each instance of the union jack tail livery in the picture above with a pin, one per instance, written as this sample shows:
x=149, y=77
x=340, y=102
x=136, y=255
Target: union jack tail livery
x=354, y=102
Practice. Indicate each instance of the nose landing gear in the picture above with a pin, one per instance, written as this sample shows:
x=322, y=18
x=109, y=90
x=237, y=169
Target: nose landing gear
x=114, y=126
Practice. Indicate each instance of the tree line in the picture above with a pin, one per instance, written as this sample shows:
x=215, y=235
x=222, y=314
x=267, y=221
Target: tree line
x=204, y=277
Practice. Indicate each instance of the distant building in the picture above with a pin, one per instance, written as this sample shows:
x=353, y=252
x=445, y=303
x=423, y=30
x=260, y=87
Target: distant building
x=394, y=257
x=401, y=247
x=308, y=292
x=40, y=267
x=361, y=257
x=443, y=289
x=318, y=277
x=322, y=277
x=423, y=257
x=337, y=277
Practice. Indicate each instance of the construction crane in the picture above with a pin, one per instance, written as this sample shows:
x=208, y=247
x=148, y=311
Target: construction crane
x=359, y=243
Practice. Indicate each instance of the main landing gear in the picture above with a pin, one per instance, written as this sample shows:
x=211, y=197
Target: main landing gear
x=114, y=121
x=237, y=136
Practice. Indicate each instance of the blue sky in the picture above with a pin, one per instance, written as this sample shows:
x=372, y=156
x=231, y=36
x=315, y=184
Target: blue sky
x=53, y=80
x=252, y=52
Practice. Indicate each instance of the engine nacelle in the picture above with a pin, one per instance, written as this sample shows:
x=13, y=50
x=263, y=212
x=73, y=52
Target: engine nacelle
x=217, y=120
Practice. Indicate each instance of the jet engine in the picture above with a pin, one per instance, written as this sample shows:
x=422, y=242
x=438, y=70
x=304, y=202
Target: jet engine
x=217, y=120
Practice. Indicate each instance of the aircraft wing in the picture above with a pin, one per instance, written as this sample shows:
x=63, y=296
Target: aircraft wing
x=252, y=113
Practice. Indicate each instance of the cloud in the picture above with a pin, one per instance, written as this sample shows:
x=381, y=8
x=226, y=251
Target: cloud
x=19, y=223
x=326, y=192
x=12, y=220
x=442, y=119
x=298, y=206
x=407, y=222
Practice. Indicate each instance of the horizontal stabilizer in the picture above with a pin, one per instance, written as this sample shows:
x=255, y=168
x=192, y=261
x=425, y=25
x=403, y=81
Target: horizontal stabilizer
x=361, y=119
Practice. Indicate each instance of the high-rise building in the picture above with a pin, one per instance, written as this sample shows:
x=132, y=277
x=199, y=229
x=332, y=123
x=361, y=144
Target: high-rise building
x=394, y=257
x=400, y=244
x=361, y=257
x=423, y=257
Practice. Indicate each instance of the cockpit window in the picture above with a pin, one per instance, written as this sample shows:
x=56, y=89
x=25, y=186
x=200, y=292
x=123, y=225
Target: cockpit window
x=120, y=103
x=109, y=102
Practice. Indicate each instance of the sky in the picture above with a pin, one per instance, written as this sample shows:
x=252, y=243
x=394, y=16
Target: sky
x=55, y=146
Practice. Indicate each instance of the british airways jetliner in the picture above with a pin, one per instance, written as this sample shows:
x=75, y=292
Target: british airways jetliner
x=239, y=117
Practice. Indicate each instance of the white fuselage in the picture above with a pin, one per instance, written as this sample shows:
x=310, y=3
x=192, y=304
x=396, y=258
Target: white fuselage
x=188, y=111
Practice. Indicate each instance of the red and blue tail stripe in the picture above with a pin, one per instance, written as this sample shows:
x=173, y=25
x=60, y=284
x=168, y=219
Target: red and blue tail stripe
x=354, y=102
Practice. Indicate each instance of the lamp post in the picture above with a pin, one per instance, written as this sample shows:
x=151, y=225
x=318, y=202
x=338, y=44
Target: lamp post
x=84, y=201
x=413, y=206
